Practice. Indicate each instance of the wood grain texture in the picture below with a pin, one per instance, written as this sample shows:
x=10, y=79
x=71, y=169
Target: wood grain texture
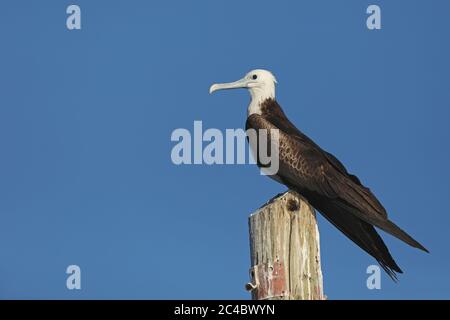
x=285, y=251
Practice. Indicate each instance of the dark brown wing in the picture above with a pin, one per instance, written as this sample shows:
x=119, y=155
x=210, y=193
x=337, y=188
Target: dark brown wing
x=275, y=115
x=317, y=170
x=327, y=185
x=360, y=232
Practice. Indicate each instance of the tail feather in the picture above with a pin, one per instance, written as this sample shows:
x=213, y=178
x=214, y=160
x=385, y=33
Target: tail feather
x=385, y=225
x=395, y=230
x=358, y=200
x=361, y=233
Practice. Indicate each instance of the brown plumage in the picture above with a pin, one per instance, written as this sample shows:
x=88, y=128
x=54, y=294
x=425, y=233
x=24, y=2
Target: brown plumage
x=322, y=179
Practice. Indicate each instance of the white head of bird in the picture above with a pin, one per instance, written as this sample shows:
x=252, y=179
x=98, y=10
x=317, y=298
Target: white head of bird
x=260, y=83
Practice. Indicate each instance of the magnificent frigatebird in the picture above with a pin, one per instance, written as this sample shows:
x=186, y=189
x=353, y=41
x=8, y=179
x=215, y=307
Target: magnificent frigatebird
x=319, y=176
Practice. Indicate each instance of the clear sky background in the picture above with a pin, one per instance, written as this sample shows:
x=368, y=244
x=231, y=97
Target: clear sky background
x=86, y=116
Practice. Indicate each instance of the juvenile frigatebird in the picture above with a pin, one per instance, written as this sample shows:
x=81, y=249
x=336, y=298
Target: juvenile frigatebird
x=319, y=176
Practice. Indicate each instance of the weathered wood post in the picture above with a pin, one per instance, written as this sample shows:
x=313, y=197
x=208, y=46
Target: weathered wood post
x=285, y=252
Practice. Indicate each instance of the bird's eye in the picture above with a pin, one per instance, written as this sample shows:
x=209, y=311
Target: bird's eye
x=254, y=77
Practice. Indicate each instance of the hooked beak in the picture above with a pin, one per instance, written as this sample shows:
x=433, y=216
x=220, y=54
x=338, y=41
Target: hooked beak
x=243, y=83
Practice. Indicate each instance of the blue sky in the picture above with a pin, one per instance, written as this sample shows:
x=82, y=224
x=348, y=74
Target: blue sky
x=86, y=116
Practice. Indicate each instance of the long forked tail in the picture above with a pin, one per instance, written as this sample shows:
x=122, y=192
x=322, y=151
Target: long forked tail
x=361, y=233
x=357, y=200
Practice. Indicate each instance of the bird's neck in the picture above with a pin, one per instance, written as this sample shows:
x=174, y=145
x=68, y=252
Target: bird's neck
x=258, y=96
